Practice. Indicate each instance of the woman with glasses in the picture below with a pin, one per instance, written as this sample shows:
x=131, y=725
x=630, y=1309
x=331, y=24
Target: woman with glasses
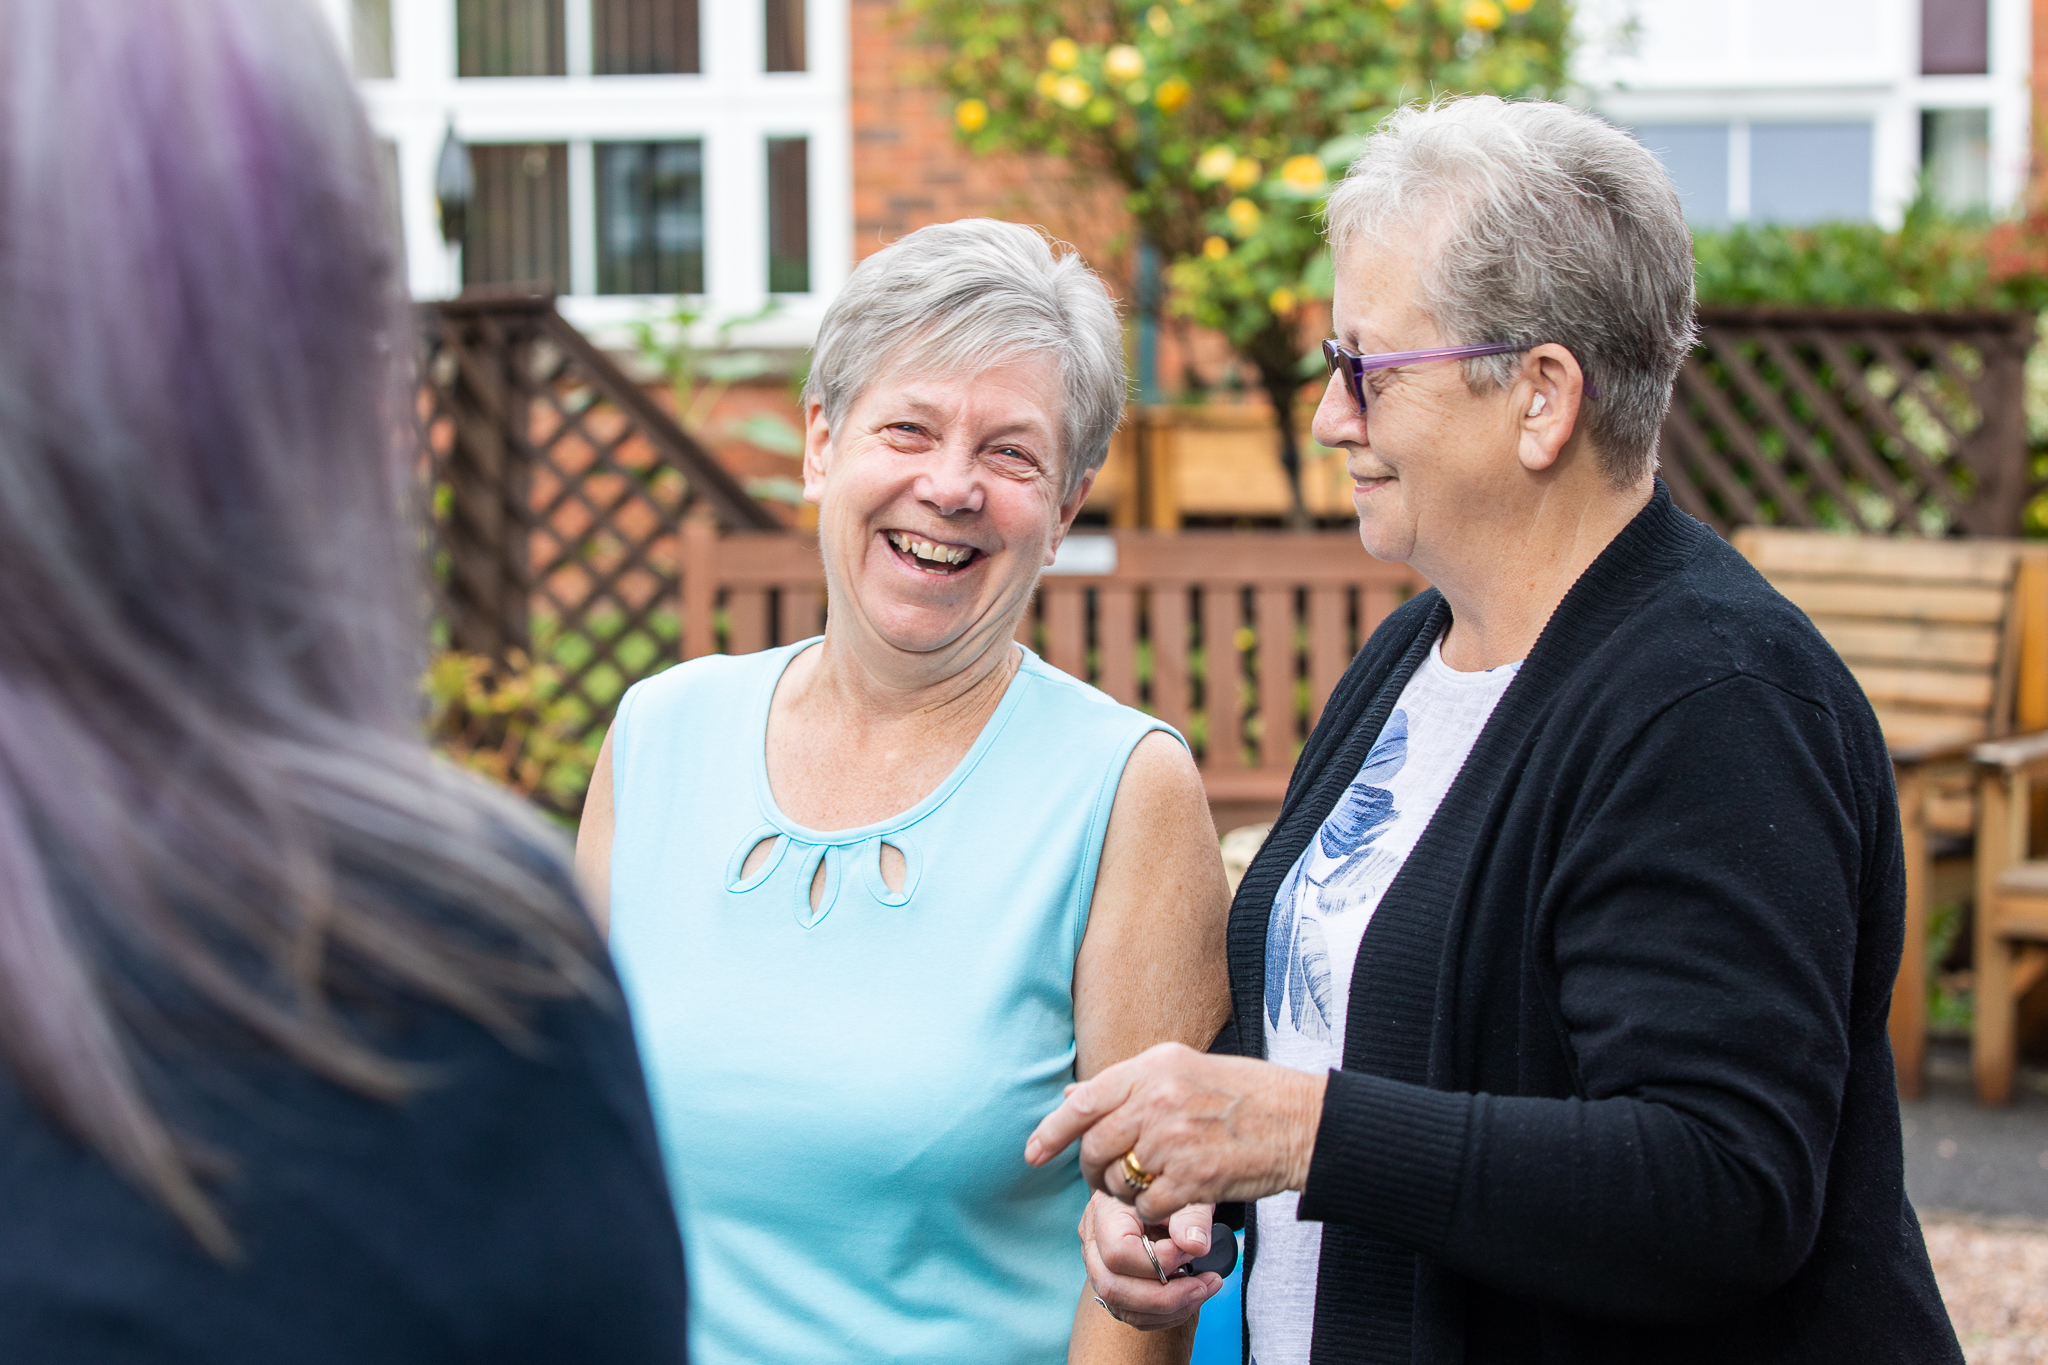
x=879, y=896
x=307, y=1051
x=1561, y=982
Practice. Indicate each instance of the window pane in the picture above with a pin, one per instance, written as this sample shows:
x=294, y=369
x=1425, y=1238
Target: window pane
x=650, y=217
x=518, y=229
x=1955, y=37
x=1955, y=156
x=789, y=215
x=388, y=189
x=369, y=44
x=1809, y=172
x=1695, y=155
x=644, y=38
x=509, y=38
x=785, y=35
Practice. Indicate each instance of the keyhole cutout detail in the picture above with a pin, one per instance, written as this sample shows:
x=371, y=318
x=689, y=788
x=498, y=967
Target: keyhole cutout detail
x=758, y=855
x=818, y=887
x=894, y=869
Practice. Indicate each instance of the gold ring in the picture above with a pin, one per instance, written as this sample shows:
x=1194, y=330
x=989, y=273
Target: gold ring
x=1136, y=1176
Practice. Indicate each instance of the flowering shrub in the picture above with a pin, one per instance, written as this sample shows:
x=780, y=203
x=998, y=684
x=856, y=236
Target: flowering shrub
x=1225, y=120
x=512, y=725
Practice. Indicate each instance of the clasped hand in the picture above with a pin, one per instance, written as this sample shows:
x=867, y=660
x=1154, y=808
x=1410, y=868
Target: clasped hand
x=1206, y=1129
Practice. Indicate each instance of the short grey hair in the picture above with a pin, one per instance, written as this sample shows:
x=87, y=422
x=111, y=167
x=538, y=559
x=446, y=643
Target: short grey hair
x=1538, y=223
x=965, y=296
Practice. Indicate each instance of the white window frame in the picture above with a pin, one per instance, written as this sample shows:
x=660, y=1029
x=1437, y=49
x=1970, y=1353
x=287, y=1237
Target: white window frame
x=1887, y=91
x=733, y=108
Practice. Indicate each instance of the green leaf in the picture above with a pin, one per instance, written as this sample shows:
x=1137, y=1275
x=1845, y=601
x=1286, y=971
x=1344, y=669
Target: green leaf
x=733, y=367
x=770, y=433
x=779, y=488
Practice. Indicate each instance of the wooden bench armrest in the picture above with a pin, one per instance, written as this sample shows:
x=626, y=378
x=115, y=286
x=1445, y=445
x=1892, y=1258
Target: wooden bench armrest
x=1926, y=755
x=2023, y=755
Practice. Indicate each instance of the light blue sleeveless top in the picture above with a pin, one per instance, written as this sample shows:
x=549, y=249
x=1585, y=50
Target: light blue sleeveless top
x=843, y=1096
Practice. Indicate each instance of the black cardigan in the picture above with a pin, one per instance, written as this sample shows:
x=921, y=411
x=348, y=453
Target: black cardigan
x=1616, y=1083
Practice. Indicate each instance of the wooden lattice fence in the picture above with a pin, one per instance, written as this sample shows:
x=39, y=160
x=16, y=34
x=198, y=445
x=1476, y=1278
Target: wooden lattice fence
x=1899, y=423
x=559, y=489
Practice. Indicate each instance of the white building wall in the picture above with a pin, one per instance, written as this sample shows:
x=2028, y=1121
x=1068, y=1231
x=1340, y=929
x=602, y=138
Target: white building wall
x=732, y=107
x=1746, y=65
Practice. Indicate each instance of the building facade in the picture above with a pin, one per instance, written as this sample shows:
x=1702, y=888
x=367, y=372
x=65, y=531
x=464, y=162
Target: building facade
x=622, y=150
x=1802, y=110
x=749, y=151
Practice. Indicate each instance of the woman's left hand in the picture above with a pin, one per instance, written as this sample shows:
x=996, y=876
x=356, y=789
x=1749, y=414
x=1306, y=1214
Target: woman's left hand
x=1134, y=1274
x=1206, y=1128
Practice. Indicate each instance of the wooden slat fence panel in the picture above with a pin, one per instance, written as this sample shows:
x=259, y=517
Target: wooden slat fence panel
x=1223, y=680
x=1172, y=693
x=1233, y=638
x=1116, y=620
x=1898, y=423
x=1275, y=627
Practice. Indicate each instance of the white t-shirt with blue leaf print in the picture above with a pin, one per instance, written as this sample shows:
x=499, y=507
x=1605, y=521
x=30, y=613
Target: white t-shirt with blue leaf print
x=1319, y=917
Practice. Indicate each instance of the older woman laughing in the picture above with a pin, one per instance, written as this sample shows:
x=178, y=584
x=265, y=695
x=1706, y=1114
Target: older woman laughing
x=877, y=897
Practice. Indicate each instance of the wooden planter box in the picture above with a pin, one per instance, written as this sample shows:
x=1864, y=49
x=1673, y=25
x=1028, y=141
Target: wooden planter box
x=1220, y=461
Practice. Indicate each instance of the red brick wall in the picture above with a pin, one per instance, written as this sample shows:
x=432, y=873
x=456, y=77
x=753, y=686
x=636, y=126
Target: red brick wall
x=2037, y=188
x=908, y=169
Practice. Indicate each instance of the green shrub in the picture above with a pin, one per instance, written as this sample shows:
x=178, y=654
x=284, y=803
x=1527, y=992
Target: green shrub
x=512, y=725
x=1933, y=262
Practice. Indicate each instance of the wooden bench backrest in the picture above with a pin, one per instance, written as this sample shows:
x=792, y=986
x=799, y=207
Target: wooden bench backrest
x=1945, y=636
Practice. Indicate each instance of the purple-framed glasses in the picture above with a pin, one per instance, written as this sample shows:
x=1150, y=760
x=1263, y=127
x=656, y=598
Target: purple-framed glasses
x=1353, y=366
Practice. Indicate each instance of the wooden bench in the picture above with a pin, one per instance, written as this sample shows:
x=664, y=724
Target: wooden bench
x=1949, y=639
x=2011, y=929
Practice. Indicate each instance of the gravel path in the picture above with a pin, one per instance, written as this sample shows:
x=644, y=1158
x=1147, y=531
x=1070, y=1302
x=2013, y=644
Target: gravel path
x=1994, y=1278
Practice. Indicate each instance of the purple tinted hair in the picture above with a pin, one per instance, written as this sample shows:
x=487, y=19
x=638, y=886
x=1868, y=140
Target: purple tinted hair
x=210, y=766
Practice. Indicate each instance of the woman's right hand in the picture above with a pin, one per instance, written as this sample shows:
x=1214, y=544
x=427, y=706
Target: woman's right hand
x=1113, y=1244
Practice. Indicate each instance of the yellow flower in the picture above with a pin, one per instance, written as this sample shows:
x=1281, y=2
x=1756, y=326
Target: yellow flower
x=1303, y=174
x=1159, y=21
x=1173, y=93
x=1519, y=6
x=1281, y=301
x=1137, y=92
x=1048, y=85
x=1482, y=14
x=1215, y=248
x=1397, y=4
x=1214, y=163
x=1063, y=54
x=1123, y=63
x=1245, y=174
x=971, y=115
x=1072, y=91
x=1244, y=216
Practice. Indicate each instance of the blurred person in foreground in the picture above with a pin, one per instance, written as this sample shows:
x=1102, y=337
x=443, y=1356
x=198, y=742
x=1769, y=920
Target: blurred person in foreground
x=1561, y=983
x=310, y=1053
x=877, y=896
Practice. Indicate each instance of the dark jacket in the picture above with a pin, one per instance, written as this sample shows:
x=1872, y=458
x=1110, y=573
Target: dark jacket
x=512, y=1211
x=1616, y=1084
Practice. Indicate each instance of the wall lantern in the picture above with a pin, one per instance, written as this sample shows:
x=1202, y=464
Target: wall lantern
x=454, y=187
